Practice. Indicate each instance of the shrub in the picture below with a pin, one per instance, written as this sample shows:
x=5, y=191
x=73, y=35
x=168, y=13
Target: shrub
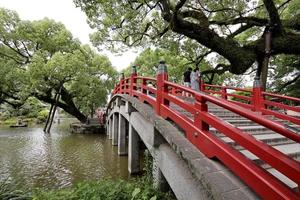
x=42, y=116
x=106, y=190
x=10, y=121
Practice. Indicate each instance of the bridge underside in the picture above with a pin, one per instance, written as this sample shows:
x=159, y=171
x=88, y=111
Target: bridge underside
x=187, y=171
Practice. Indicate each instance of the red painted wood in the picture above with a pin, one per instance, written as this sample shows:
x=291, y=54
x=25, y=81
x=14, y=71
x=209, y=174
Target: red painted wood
x=197, y=128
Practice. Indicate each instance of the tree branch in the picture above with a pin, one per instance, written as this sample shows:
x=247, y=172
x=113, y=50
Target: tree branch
x=255, y=21
x=219, y=69
x=240, y=30
x=289, y=83
x=283, y=4
x=11, y=57
x=274, y=16
x=6, y=43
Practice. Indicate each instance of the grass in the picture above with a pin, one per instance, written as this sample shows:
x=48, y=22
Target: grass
x=106, y=190
x=139, y=189
x=9, y=191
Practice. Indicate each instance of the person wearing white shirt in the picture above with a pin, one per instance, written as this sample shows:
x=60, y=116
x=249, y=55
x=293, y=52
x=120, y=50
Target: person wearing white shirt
x=195, y=78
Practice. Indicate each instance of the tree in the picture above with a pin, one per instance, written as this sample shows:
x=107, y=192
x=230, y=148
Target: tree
x=219, y=26
x=41, y=58
x=285, y=75
x=148, y=60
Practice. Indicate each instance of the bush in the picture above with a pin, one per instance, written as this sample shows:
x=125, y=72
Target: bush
x=10, y=121
x=42, y=116
x=106, y=190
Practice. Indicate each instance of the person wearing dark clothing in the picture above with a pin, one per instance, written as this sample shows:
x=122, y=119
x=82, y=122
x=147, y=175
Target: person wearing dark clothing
x=187, y=77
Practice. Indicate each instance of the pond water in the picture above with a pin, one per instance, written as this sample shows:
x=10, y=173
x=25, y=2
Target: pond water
x=32, y=158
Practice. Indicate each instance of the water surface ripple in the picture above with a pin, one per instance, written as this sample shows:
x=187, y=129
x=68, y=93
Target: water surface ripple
x=60, y=159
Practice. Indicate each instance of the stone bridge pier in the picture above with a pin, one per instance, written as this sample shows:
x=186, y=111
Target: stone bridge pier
x=177, y=164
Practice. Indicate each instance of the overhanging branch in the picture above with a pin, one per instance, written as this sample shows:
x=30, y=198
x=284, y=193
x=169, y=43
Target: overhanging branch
x=274, y=16
x=289, y=83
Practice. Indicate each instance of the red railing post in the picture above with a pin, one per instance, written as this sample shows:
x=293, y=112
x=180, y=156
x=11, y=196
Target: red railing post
x=224, y=93
x=144, y=84
x=201, y=106
x=121, y=86
x=173, y=90
x=257, y=97
x=202, y=86
x=161, y=77
x=133, y=80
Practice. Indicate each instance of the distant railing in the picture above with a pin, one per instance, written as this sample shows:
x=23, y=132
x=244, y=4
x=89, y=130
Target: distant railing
x=258, y=100
x=160, y=92
x=100, y=114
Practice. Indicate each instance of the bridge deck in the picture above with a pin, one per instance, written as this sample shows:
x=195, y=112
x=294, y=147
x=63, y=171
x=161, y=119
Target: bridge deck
x=261, y=133
x=220, y=131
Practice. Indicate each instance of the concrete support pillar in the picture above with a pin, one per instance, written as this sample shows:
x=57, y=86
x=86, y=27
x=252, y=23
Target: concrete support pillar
x=111, y=123
x=133, y=151
x=108, y=127
x=115, y=129
x=122, y=136
x=159, y=181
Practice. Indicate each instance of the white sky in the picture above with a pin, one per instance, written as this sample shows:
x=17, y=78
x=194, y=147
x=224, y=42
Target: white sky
x=64, y=11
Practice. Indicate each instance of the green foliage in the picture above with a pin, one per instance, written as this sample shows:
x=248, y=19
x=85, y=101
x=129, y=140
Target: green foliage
x=39, y=57
x=140, y=188
x=106, y=190
x=32, y=108
x=120, y=26
x=284, y=75
x=10, y=121
x=232, y=30
x=42, y=116
x=148, y=167
x=241, y=93
x=148, y=60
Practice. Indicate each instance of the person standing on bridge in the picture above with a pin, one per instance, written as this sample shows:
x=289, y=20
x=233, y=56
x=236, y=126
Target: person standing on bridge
x=195, y=78
x=187, y=79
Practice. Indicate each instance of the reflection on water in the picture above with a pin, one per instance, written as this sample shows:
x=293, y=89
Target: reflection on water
x=35, y=159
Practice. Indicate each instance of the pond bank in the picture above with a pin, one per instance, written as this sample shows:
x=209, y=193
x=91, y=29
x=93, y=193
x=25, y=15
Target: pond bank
x=61, y=165
x=140, y=188
x=59, y=159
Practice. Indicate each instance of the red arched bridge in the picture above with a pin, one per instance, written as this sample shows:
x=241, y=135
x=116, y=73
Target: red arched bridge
x=255, y=134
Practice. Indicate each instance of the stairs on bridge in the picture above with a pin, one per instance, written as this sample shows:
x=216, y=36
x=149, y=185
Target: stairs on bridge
x=261, y=133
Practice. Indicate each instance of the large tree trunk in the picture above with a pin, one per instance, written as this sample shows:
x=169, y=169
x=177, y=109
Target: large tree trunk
x=57, y=96
x=240, y=57
x=67, y=104
x=264, y=73
x=50, y=113
x=265, y=65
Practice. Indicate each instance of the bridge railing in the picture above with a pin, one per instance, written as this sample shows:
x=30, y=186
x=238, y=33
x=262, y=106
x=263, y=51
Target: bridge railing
x=257, y=100
x=281, y=104
x=162, y=95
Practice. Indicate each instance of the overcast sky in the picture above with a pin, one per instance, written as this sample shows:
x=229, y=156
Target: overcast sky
x=63, y=11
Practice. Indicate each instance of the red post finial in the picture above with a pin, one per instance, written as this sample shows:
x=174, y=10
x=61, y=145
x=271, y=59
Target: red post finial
x=121, y=86
x=133, y=71
x=133, y=80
